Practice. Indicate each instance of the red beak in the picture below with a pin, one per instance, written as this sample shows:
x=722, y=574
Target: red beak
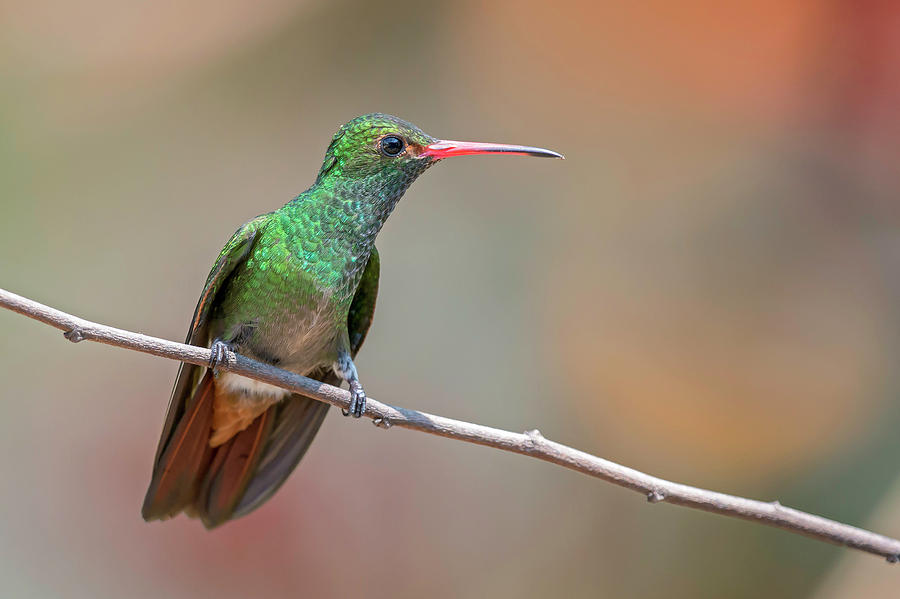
x=445, y=149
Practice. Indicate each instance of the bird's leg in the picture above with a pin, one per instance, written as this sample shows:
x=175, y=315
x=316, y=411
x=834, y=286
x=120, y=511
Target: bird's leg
x=344, y=368
x=219, y=351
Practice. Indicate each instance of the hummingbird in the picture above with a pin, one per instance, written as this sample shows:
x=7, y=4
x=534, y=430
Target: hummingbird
x=294, y=288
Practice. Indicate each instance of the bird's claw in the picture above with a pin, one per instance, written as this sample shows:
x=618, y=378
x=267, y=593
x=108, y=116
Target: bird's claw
x=357, y=401
x=218, y=353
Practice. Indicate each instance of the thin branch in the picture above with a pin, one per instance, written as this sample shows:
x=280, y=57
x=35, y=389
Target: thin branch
x=530, y=443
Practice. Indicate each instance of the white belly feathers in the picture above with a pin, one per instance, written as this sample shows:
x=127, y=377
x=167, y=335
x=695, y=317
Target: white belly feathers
x=240, y=386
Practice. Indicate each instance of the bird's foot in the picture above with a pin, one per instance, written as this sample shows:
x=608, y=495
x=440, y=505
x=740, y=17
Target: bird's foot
x=357, y=400
x=219, y=350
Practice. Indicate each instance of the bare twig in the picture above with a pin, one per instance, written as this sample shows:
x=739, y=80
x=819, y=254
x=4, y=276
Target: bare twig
x=530, y=443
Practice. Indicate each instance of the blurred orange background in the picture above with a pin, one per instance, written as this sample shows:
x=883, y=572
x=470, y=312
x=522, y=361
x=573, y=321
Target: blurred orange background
x=706, y=289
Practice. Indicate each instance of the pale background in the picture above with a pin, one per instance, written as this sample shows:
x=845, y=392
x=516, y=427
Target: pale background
x=706, y=289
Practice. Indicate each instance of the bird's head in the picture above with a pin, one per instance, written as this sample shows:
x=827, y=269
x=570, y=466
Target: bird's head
x=386, y=153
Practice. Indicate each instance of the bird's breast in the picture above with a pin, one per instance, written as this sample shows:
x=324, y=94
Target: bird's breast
x=284, y=317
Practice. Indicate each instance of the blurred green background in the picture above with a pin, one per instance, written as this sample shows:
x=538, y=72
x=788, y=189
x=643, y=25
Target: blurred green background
x=706, y=289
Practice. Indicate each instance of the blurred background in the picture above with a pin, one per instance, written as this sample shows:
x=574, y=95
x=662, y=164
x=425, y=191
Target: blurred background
x=706, y=289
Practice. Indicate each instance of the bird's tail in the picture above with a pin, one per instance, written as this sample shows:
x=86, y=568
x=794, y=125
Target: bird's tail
x=183, y=457
x=218, y=482
x=193, y=476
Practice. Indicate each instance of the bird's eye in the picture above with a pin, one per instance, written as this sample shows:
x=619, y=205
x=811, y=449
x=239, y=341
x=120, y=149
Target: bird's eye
x=392, y=145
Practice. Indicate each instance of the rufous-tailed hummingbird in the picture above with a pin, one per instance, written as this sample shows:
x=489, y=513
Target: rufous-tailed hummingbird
x=294, y=288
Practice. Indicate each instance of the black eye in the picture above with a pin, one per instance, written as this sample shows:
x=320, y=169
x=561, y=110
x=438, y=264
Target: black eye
x=391, y=145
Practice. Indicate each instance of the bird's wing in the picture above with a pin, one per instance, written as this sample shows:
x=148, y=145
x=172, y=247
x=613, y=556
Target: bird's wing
x=297, y=420
x=359, y=319
x=235, y=252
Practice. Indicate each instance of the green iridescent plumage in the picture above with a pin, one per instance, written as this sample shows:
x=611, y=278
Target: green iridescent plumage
x=294, y=288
